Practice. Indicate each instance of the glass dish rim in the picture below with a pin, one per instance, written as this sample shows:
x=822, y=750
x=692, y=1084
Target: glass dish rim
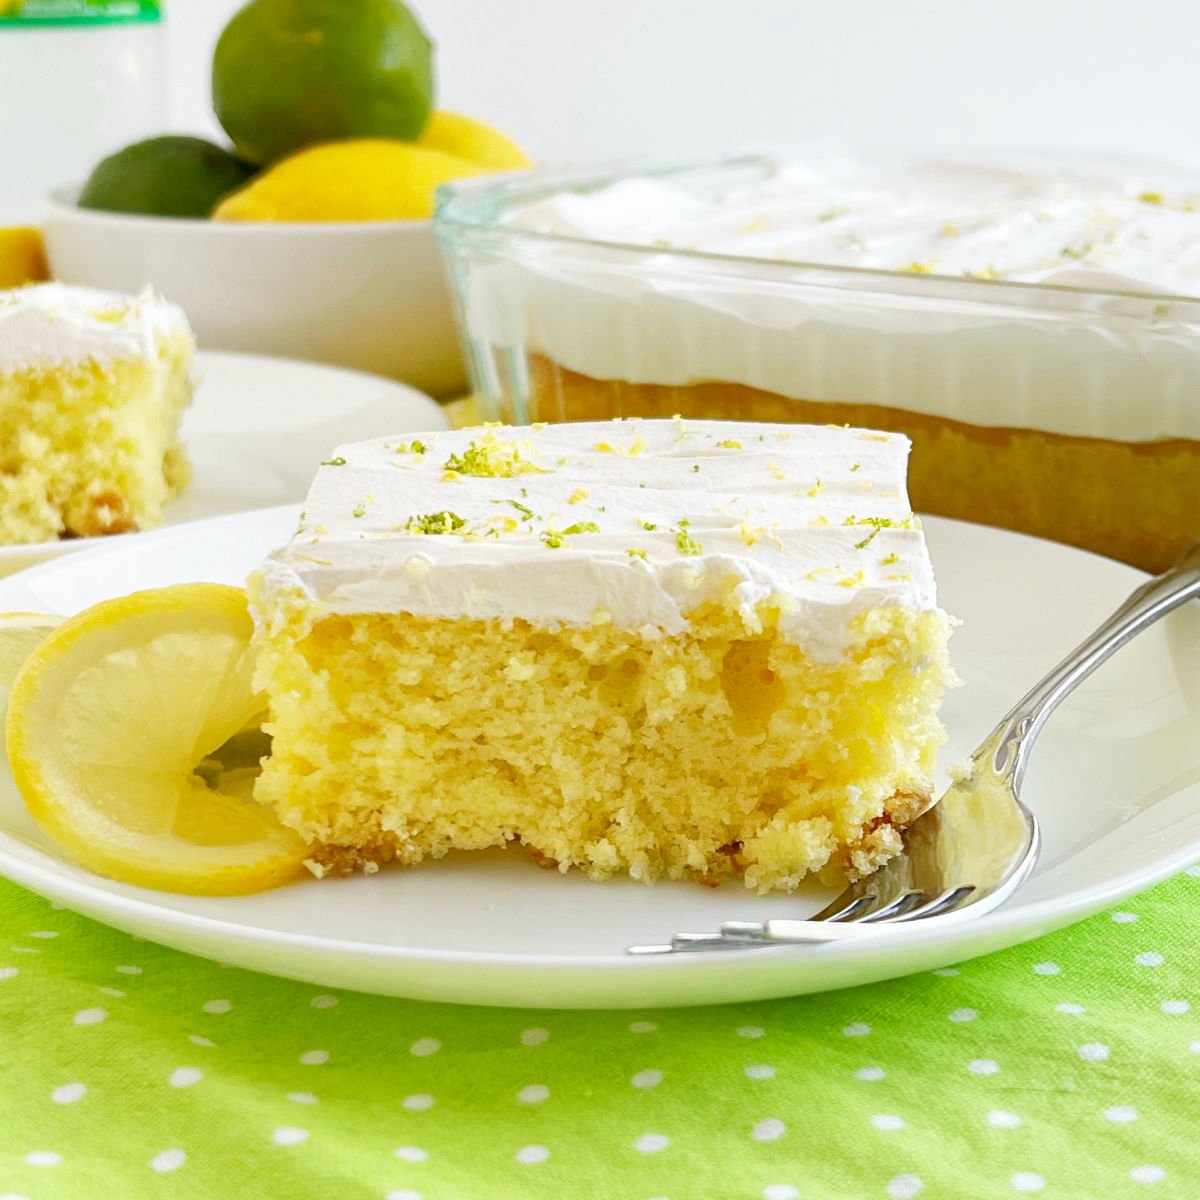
x=459, y=204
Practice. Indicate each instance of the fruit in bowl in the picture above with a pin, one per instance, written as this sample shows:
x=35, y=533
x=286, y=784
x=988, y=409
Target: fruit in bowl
x=321, y=247
x=366, y=179
x=329, y=108
x=168, y=176
x=290, y=73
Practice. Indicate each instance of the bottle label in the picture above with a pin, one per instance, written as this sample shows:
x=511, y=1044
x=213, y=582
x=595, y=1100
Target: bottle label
x=27, y=13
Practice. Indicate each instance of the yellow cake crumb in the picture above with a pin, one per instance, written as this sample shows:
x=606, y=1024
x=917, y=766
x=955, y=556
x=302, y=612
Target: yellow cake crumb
x=92, y=448
x=724, y=752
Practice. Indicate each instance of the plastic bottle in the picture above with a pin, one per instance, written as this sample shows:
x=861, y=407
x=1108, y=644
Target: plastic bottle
x=78, y=79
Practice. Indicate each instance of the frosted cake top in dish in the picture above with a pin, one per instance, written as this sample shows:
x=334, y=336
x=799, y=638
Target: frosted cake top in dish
x=635, y=522
x=945, y=219
x=48, y=323
x=763, y=309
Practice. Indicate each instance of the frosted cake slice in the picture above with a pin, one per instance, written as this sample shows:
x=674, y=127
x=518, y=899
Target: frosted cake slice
x=701, y=649
x=92, y=389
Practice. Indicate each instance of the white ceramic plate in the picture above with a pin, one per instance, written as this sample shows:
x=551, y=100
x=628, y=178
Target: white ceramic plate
x=256, y=432
x=1115, y=781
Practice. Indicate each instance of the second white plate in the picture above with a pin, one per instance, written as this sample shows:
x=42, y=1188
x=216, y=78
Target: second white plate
x=1115, y=780
x=257, y=431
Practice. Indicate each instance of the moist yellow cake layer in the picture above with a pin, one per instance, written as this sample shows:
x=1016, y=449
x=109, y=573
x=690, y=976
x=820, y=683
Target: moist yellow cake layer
x=721, y=752
x=1134, y=501
x=92, y=448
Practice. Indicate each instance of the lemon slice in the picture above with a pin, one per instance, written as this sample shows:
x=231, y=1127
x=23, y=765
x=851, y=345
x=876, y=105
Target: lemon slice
x=20, y=634
x=112, y=726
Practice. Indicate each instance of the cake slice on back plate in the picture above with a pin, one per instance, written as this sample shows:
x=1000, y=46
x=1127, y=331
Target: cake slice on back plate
x=672, y=649
x=93, y=386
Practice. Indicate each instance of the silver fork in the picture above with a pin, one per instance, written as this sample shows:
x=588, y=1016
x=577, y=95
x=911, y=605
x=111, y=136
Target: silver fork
x=978, y=844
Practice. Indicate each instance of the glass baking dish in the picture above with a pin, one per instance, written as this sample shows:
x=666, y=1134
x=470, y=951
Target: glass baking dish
x=1059, y=411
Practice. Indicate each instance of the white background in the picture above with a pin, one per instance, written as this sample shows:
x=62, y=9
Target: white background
x=577, y=80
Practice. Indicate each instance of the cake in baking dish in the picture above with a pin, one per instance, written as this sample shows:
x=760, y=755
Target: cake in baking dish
x=673, y=649
x=1034, y=332
x=92, y=388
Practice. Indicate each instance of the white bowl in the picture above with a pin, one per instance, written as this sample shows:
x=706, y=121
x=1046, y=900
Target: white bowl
x=365, y=294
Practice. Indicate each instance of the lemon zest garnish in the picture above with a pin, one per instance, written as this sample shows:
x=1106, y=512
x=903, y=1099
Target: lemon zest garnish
x=635, y=447
x=554, y=538
x=878, y=523
x=435, y=523
x=489, y=457
x=685, y=543
x=116, y=315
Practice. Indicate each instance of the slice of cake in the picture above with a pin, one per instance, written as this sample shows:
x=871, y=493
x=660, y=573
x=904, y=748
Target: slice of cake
x=92, y=388
x=672, y=649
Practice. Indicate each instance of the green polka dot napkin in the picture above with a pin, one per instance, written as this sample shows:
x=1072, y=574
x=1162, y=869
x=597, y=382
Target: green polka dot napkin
x=1066, y=1068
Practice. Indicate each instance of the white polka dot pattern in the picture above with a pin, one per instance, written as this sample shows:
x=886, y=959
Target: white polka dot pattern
x=1093, y=1031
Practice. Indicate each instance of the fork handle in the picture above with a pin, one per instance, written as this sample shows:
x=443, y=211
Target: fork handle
x=747, y=935
x=1149, y=603
x=792, y=931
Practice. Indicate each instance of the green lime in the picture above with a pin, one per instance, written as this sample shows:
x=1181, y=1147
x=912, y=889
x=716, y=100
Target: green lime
x=165, y=177
x=289, y=73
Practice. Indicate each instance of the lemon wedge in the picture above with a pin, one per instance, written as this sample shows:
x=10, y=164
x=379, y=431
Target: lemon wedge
x=120, y=727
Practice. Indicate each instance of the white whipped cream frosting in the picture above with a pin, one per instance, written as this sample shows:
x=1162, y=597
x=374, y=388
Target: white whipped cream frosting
x=1078, y=363
x=48, y=323
x=946, y=219
x=816, y=518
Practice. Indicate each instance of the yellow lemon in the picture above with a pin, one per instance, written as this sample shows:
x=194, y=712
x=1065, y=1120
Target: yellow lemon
x=463, y=412
x=22, y=257
x=132, y=737
x=463, y=137
x=368, y=179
